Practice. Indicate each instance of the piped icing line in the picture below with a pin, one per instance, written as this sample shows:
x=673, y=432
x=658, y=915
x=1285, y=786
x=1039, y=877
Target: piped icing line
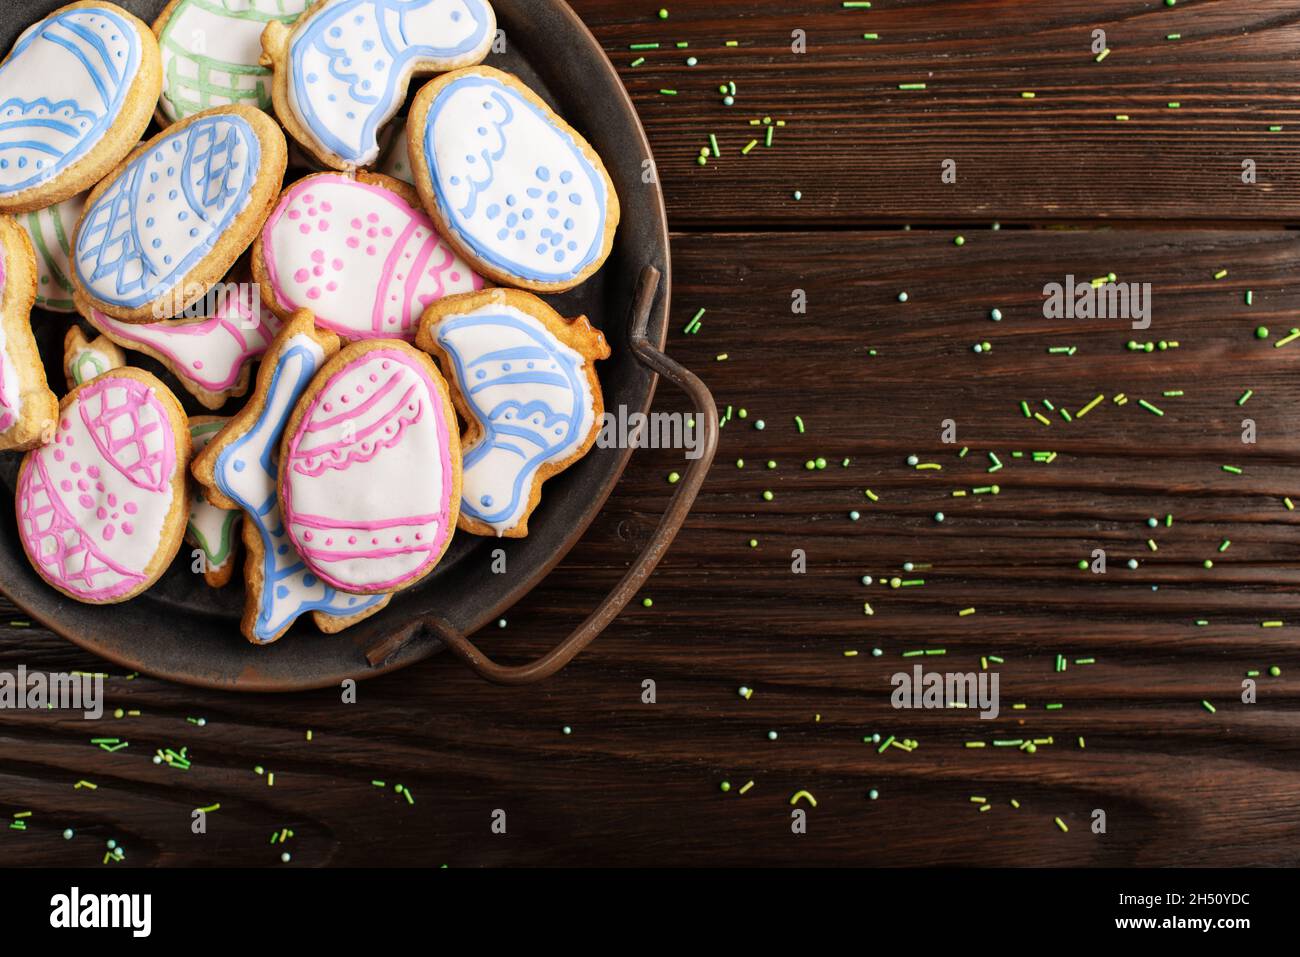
x=85, y=59
x=369, y=469
x=84, y=359
x=158, y=232
x=519, y=193
x=101, y=508
x=238, y=468
x=226, y=70
x=525, y=383
x=210, y=529
x=11, y=391
x=359, y=252
x=211, y=357
x=50, y=231
x=342, y=71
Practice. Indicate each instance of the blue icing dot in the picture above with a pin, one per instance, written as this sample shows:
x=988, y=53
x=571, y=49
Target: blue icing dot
x=167, y=260
x=238, y=465
x=486, y=501
x=493, y=211
x=566, y=177
x=503, y=234
x=368, y=45
x=505, y=367
x=543, y=174
x=309, y=580
x=282, y=550
x=512, y=220
x=149, y=222
x=482, y=131
x=455, y=181
x=552, y=196
x=469, y=158
x=575, y=199
x=573, y=247
x=157, y=244
x=553, y=213
x=281, y=591
x=541, y=248
x=556, y=239
x=336, y=32
x=194, y=231
x=455, y=16
x=510, y=200
x=534, y=192
x=480, y=374
x=559, y=255
x=520, y=234
x=568, y=223
x=528, y=214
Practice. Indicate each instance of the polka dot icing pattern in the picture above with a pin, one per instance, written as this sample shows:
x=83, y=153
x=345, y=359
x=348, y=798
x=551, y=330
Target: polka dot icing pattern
x=516, y=189
x=361, y=257
x=368, y=476
x=225, y=69
x=166, y=210
x=50, y=231
x=83, y=63
x=92, y=504
x=207, y=355
x=350, y=64
x=530, y=394
x=245, y=472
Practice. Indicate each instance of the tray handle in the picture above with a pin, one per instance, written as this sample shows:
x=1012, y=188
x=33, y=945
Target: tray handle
x=706, y=417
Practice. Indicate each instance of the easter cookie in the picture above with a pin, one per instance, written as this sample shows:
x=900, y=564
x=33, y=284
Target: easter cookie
x=50, y=231
x=176, y=214
x=342, y=70
x=524, y=379
x=83, y=358
x=211, y=51
x=237, y=471
x=102, y=508
x=211, y=530
x=28, y=409
x=359, y=252
x=76, y=93
x=211, y=357
x=370, y=468
x=515, y=189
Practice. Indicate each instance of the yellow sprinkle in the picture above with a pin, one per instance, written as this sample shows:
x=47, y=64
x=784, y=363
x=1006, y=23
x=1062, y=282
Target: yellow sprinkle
x=1103, y=54
x=800, y=795
x=1061, y=825
x=965, y=611
x=747, y=786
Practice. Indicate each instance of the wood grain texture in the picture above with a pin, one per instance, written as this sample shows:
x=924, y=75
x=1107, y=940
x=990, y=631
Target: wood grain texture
x=862, y=151
x=638, y=784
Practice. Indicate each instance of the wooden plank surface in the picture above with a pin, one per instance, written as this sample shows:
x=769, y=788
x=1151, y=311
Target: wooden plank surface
x=863, y=151
x=639, y=784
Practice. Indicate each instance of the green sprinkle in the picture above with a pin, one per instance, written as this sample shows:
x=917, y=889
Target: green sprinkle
x=1232, y=469
x=911, y=86
x=750, y=146
x=767, y=495
x=1261, y=332
x=1149, y=407
x=1173, y=36
x=663, y=14
x=643, y=46
x=1250, y=297
x=1245, y=396
x=1054, y=707
x=675, y=477
x=1209, y=707
x=871, y=36
x=798, y=421
x=713, y=142
x=637, y=62
x=668, y=92
x=1290, y=337
x=647, y=602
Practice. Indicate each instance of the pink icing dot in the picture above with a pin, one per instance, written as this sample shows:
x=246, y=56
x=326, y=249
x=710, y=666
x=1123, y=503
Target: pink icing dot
x=371, y=233
x=397, y=540
x=108, y=533
x=83, y=484
x=327, y=206
x=372, y=217
x=353, y=242
x=419, y=536
x=329, y=406
x=312, y=211
x=323, y=225
x=304, y=229
x=332, y=286
x=388, y=231
x=64, y=424
x=374, y=541
x=112, y=500
x=85, y=501
x=294, y=214
x=128, y=528
x=385, y=364
x=198, y=363
x=307, y=536
x=92, y=471
x=352, y=539
x=356, y=223
x=318, y=256
x=129, y=508
x=329, y=541
x=318, y=270
x=373, y=377
x=343, y=399
x=58, y=455
x=338, y=265
x=101, y=513
x=66, y=485
x=313, y=293
x=301, y=275
x=455, y=276
x=370, y=251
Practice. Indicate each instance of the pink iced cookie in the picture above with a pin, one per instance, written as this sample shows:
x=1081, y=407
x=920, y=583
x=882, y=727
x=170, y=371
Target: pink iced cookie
x=359, y=253
x=211, y=357
x=370, y=469
x=102, y=508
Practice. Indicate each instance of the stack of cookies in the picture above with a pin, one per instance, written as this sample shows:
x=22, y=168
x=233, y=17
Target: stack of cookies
x=409, y=381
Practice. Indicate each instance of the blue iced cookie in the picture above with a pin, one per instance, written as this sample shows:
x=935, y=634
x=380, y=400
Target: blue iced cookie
x=76, y=93
x=342, y=70
x=517, y=191
x=174, y=216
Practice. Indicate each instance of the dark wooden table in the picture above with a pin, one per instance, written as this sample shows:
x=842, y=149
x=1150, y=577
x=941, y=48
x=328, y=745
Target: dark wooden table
x=1157, y=198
